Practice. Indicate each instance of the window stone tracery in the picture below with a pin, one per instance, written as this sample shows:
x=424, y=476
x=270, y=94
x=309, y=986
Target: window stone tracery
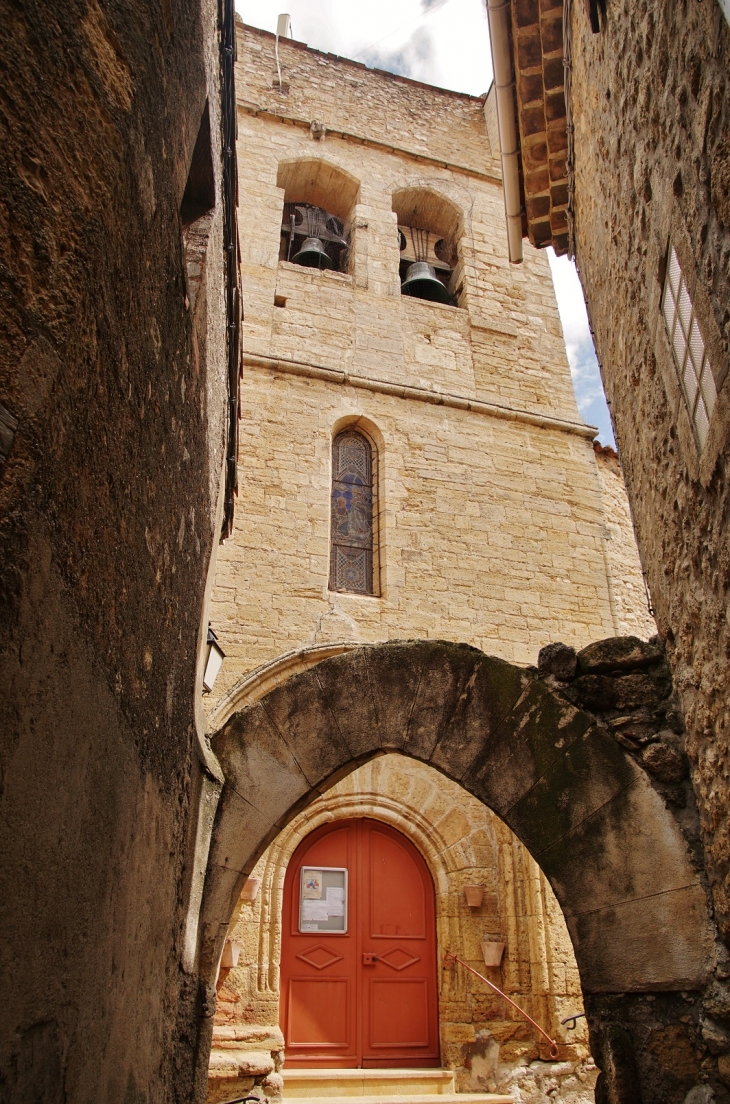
x=351, y=526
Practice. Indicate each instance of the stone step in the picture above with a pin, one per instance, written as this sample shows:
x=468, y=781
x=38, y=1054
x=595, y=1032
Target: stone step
x=380, y=1086
x=367, y=1082
x=409, y=1098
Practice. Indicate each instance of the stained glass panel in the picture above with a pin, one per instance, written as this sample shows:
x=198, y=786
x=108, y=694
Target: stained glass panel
x=352, y=515
x=351, y=530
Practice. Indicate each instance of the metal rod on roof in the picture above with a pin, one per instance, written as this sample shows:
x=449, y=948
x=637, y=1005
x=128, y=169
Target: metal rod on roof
x=283, y=29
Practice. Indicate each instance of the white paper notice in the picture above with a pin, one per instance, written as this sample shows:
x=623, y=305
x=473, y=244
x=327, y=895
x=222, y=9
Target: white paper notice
x=314, y=910
x=335, y=901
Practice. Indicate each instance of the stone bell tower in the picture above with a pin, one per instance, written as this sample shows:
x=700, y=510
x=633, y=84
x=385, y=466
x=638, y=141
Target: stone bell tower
x=413, y=465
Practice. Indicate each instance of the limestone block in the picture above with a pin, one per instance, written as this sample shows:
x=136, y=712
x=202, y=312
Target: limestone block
x=528, y=742
x=240, y=1063
x=273, y=1085
x=244, y=1036
x=622, y=653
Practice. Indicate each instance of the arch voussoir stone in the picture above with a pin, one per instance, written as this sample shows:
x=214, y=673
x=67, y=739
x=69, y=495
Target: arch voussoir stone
x=587, y=811
x=445, y=674
x=301, y=714
x=590, y=770
x=347, y=688
x=530, y=739
x=490, y=694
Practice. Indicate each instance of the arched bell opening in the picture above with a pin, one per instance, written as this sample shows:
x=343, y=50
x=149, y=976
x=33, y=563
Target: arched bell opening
x=465, y=848
x=429, y=232
x=319, y=200
x=556, y=773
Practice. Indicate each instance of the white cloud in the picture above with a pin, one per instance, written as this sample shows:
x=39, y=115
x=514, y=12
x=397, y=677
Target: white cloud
x=457, y=28
x=416, y=58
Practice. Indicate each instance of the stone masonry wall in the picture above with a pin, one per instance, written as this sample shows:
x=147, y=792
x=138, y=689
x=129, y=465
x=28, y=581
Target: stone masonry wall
x=346, y=95
x=491, y=526
x=628, y=593
x=656, y=1048
x=652, y=116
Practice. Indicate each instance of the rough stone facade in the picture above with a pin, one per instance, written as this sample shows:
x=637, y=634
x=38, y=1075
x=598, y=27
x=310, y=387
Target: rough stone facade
x=113, y=397
x=652, y=154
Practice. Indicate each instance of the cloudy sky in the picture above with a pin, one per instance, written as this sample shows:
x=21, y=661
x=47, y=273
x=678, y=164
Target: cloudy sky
x=443, y=42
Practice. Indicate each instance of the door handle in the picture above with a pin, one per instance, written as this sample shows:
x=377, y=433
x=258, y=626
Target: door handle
x=369, y=958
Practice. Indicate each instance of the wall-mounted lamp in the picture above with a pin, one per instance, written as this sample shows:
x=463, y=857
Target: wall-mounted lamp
x=474, y=895
x=213, y=660
x=231, y=953
x=250, y=889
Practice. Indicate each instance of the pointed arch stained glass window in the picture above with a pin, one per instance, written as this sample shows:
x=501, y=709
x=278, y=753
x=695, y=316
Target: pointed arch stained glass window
x=351, y=534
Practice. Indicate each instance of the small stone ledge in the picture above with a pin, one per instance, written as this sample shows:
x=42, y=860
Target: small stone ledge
x=311, y=274
x=619, y=653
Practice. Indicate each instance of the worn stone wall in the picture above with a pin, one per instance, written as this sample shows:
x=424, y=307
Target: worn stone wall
x=656, y=1048
x=347, y=96
x=490, y=1048
x=491, y=526
x=652, y=150
x=108, y=522
x=629, y=599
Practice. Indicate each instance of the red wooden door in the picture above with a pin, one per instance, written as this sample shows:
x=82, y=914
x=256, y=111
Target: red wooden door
x=364, y=995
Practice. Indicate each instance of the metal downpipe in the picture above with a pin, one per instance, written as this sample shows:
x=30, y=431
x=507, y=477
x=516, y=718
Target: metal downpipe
x=498, y=12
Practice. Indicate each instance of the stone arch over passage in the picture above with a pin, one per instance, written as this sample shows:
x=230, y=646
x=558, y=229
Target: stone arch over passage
x=613, y=853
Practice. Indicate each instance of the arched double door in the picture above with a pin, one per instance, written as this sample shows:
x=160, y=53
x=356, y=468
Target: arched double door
x=358, y=956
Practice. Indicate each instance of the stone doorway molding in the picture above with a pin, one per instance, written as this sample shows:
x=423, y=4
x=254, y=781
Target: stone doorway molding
x=448, y=842
x=462, y=843
x=613, y=852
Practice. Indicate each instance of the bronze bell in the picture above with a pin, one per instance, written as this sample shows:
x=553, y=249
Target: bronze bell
x=312, y=255
x=421, y=282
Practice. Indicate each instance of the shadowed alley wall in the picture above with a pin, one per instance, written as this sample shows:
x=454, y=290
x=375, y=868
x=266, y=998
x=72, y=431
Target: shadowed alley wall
x=112, y=384
x=651, y=112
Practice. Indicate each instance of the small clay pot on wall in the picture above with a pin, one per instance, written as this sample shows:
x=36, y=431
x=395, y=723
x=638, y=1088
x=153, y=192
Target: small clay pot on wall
x=474, y=895
x=492, y=953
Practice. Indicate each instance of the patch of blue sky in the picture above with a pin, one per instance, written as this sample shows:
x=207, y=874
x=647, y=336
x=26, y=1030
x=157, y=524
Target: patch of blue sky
x=579, y=346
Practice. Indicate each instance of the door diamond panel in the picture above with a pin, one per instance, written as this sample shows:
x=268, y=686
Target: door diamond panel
x=398, y=958
x=320, y=957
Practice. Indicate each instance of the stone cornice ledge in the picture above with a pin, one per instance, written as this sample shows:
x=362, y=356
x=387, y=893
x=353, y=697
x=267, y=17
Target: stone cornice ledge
x=375, y=143
x=419, y=394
